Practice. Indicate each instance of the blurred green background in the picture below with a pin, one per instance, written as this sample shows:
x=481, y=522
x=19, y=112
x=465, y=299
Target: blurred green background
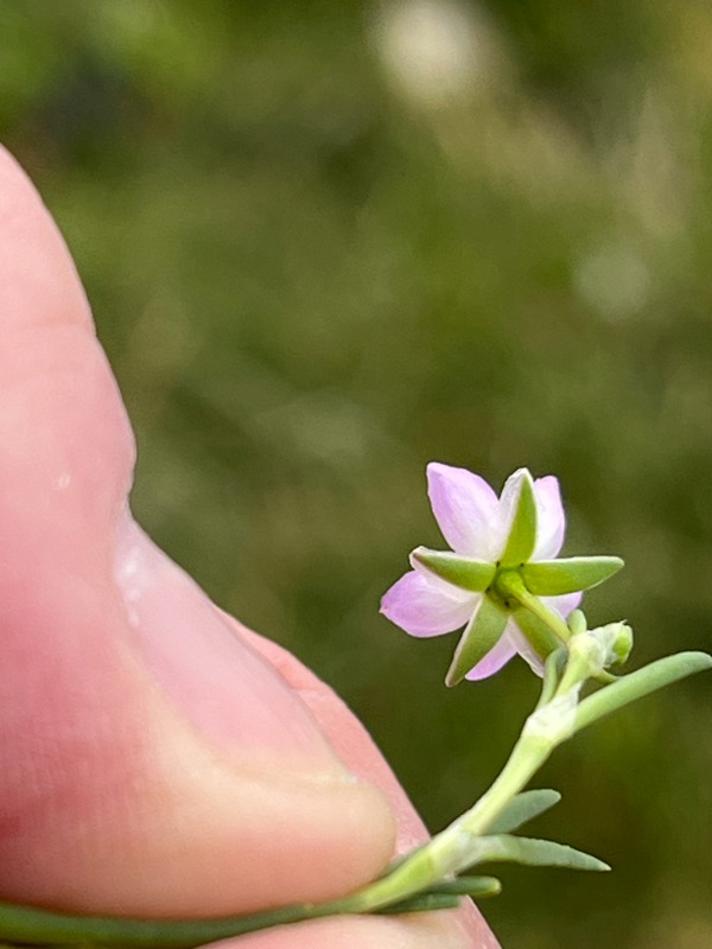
x=328, y=242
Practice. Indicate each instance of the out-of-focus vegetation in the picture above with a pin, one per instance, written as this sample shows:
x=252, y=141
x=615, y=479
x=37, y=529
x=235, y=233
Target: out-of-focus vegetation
x=328, y=242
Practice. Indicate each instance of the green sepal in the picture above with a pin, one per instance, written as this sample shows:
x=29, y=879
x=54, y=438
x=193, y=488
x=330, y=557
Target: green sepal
x=524, y=807
x=479, y=636
x=569, y=575
x=534, y=853
x=541, y=637
x=463, y=572
x=522, y=534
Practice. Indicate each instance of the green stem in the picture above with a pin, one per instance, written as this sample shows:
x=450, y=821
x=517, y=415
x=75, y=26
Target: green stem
x=24, y=924
x=421, y=881
x=513, y=585
x=27, y=925
x=447, y=852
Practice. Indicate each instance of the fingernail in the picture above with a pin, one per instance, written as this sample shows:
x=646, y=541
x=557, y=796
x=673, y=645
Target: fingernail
x=232, y=696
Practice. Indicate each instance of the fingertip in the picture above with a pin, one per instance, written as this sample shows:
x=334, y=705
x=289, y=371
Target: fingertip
x=38, y=281
x=68, y=447
x=451, y=929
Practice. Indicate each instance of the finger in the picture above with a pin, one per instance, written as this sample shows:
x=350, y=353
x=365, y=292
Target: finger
x=357, y=748
x=345, y=733
x=442, y=930
x=152, y=762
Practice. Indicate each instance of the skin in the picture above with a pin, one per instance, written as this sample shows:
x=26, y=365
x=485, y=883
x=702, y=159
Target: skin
x=158, y=758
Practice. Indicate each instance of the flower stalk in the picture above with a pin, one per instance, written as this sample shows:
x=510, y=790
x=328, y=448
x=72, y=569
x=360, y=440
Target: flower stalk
x=503, y=582
x=556, y=718
x=425, y=880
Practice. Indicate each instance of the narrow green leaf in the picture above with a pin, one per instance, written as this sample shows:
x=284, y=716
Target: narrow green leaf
x=535, y=853
x=464, y=572
x=476, y=887
x=480, y=635
x=522, y=808
x=522, y=534
x=569, y=575
x=635, y=685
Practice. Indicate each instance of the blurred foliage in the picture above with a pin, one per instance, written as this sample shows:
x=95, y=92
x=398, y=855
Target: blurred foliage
x=326, y=243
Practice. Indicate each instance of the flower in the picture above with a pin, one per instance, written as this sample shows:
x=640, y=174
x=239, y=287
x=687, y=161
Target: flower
x=501, y=579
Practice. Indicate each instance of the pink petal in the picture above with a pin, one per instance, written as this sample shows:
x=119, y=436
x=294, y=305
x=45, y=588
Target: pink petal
x=551, y=518
x=424, y=605
x=465, y=507
x=498, y=656
x=564, y=604
x=525, y=649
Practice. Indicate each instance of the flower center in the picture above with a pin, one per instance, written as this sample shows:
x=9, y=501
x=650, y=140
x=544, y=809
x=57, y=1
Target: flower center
x=500, y=588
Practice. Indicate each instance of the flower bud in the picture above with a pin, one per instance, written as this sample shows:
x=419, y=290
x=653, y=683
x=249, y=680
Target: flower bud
x=617, y=641
x=593, y=651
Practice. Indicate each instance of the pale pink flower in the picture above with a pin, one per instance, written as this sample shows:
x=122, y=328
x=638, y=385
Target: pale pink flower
x=477, y=524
